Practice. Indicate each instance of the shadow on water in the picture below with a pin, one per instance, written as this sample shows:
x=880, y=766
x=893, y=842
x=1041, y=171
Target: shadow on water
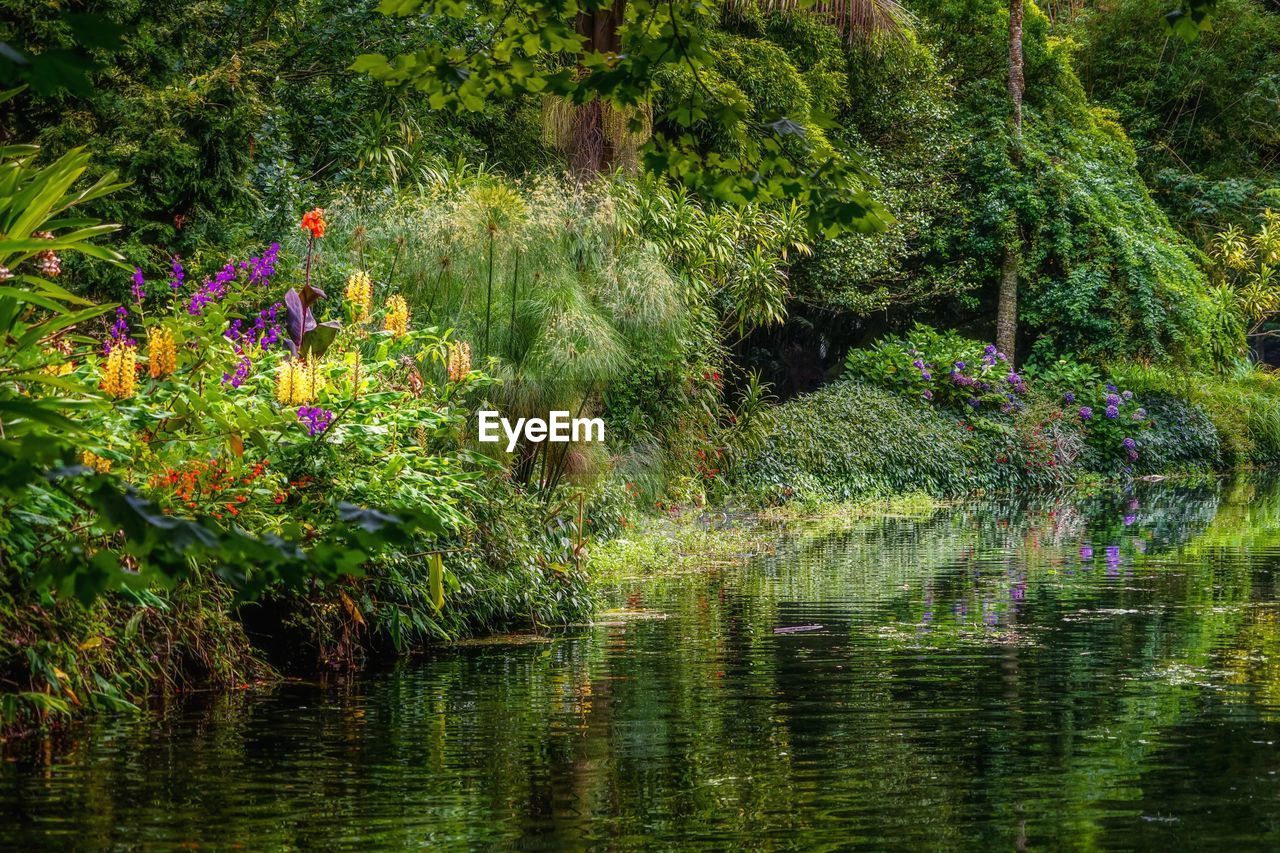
x=1103, y=672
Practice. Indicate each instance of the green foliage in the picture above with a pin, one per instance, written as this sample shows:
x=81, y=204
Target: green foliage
x=1248, y=294
x=962, y=375
x=898, y=110
x=220, y=112
x=852, y=440
x=1203, y=114
x=769, y=158
x=1102, y=271
x=1243, y=407
x=1060, y=375
x=1182, y=436
x=942, y=367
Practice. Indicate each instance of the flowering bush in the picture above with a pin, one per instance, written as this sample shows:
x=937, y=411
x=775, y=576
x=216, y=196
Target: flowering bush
x=948, y=370
x=942, y=368
x=1111, y=419
x=211, y=415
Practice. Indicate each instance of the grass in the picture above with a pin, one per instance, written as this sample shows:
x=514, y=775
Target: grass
x=698, y=541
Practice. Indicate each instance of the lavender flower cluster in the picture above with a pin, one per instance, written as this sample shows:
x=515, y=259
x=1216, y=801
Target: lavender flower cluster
x=316, y=419
x=119, y=333
x=139, y=289
x=264, y=333
x=259, y=269
x=1113, y=401
x=981, y=382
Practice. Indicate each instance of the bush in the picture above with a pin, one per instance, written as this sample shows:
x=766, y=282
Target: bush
x=1182, y=435
x=851, y=440
x=1244, y=408
x=963, y=375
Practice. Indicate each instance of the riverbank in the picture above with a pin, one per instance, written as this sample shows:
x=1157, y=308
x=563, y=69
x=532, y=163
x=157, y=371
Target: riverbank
x=841, y=456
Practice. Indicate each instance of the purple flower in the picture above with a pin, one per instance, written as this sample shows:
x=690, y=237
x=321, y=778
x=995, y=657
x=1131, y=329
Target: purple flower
x=265, y=331
x=1129, y=519
x=1128, y=395
x=1111, y=389
x=1112, y=413
x=179, y=276
x=261, y=268
x=1086, y=552
x=212, y=290
x=918, y=364
x=316, y=419
x=243, y=366
x=1086, y=413
x=1129, y=444
x=1113, y=400
x=1140, y=415
x=926, y=375
x=119, y=333
x=959, y=365
x=139, y=285
x=927, y=395
x=1068, y=398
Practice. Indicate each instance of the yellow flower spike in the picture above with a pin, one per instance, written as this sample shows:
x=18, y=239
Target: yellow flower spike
x=119, y=376
x=355, y=371
x=459, y=360
x=96, y=462
x=298, y=382
x=397, y=320
x=360, y=294
x=162, y=353
x=284, y=382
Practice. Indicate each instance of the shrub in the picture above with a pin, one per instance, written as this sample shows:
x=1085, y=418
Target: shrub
x=852, y=440
x=1244, y=408
x=1182, y=435
x=939, y=367
x=963, y=375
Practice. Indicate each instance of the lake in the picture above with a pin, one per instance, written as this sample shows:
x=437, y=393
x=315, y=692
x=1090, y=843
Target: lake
x=1082, y=672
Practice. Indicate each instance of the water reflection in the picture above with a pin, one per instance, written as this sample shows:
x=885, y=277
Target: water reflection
x=1101, y=671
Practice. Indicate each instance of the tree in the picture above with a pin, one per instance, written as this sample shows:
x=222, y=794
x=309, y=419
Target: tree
x=1007, y=301
x=604, y=55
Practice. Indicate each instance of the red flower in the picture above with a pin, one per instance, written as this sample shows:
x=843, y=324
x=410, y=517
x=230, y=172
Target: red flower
x=313, y=221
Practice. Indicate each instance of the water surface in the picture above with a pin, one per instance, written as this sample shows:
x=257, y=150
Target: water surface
x=1091, y=673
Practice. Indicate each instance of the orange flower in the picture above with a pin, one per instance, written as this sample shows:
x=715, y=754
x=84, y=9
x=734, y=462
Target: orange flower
x=313, y=221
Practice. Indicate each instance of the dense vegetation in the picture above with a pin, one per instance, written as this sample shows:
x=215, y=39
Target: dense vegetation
x=238, y=422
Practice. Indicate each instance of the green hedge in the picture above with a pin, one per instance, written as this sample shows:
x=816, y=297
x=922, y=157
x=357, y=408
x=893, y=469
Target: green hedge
x=851, y=440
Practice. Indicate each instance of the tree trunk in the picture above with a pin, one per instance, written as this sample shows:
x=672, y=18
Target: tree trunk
x=1007, y=303
x=1017, y=83
x=591, y=151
